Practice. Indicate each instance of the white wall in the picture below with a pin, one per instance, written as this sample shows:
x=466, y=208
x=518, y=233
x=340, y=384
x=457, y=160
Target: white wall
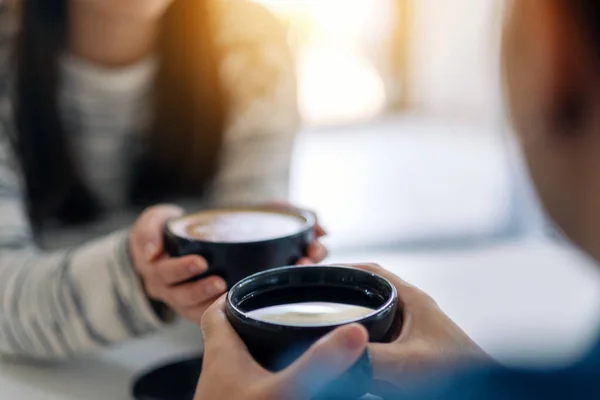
x=454, y=57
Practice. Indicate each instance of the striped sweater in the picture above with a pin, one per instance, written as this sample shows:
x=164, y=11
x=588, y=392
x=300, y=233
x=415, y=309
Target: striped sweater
x=67, y=291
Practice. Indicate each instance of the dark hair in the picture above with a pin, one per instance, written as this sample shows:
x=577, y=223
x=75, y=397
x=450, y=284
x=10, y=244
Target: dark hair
x=587, y=14
x=182, y=147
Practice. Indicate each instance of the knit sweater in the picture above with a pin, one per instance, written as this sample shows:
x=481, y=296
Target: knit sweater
x=67, y=291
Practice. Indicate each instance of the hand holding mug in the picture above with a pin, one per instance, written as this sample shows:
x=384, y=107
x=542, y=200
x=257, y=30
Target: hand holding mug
x=425, y=337
x=230, y=372
x=165, y=278
x=316, y=252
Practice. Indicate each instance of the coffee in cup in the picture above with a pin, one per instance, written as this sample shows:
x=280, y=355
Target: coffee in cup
x=237, y=242
x=311, y=313
x=237, y=226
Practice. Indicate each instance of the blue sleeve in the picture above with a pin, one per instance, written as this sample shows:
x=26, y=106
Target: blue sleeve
x=498, y=383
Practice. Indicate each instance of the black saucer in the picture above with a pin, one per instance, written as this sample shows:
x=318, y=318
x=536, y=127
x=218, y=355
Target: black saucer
x=173, y=381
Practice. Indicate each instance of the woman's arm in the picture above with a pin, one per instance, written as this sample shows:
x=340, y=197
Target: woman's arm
x=259, y=77
x=53, y=305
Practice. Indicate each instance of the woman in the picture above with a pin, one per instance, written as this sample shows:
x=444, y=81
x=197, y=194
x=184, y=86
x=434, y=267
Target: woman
x=108, y=107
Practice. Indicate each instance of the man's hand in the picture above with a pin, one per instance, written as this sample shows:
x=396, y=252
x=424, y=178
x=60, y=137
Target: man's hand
x=425, y=337
x=230, y=372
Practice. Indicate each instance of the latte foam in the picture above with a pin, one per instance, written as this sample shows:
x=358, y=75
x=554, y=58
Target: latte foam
x=310, y=313
x=237, y=226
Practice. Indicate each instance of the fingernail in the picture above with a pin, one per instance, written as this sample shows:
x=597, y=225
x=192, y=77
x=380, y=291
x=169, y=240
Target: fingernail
x=194, y=269
x=354, y=338
x=216, y=288
x=150, y=251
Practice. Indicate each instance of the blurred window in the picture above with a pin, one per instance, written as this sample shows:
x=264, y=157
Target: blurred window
x=358, y=59
x=347, y=56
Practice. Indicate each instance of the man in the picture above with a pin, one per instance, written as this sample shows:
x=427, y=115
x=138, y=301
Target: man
x=551, y=60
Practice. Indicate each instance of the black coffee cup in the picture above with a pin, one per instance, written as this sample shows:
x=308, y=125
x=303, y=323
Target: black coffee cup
x=275, y=345
x=253, y=250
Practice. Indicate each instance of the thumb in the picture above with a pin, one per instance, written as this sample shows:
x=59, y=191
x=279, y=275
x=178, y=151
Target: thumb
x=153, y=222
x=326, y=360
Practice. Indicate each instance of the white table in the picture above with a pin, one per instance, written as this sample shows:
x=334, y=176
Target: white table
x=518, y=300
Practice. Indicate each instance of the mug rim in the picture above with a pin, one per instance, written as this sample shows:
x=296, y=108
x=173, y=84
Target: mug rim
x=389, y=303
x=308, y=224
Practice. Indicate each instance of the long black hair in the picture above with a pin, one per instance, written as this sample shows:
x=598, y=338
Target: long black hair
x=182, y=146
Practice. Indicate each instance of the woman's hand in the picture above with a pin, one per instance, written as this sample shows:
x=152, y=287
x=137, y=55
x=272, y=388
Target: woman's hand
x=317, y=252
x=425, y=337
x=162, y=275
x=230, y=372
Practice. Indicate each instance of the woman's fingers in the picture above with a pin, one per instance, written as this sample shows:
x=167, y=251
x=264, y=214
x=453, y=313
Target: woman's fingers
x=196, y=293
x=317, y=252
x=172, y=271
x=319, y=230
